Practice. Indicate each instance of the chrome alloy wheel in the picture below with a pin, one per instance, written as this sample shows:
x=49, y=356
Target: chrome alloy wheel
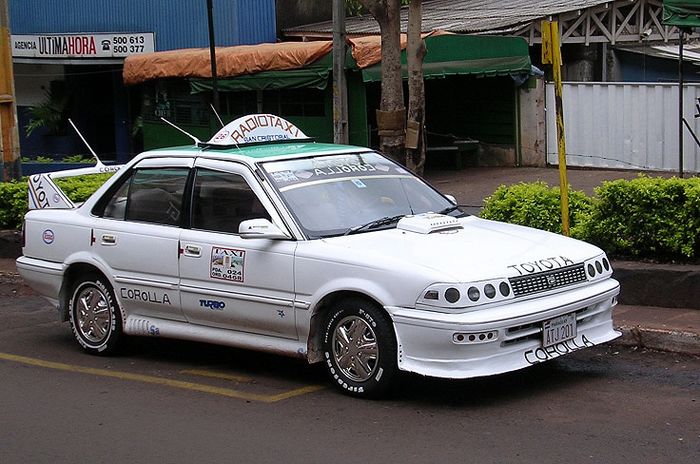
x=355, y=348
x=93, y=314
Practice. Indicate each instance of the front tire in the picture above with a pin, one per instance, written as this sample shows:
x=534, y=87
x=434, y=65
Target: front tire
x=359, y=348
x=94, y=315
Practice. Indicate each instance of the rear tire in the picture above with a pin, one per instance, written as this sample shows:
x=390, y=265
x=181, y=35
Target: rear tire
x=359, y=348
x=94, y=315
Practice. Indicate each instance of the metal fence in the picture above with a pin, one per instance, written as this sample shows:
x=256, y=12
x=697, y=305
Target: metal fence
x=625, y=125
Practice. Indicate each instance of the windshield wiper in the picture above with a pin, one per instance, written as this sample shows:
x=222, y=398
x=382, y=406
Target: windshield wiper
x=449, y=209
x=385, y=221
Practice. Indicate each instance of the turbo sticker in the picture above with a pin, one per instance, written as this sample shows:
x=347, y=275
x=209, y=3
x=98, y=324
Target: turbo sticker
x=227, y=264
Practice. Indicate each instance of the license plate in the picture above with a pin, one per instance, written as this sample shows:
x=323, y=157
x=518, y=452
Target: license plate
x=559, y=329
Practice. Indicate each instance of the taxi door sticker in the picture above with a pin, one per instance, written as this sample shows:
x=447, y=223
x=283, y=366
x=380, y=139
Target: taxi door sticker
x=227, y=264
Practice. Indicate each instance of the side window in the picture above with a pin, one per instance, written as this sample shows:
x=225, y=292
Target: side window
x=221, y=201
x=150, y=195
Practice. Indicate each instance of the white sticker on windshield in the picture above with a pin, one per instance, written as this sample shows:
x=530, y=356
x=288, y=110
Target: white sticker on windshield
x=358, y=183
x=284, y=176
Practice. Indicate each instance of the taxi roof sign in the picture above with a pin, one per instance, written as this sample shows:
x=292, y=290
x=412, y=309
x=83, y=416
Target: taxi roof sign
x=256, y=128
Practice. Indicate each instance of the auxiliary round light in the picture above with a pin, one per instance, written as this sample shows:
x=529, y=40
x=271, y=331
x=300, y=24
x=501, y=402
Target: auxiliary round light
x=452, y=295
x=473, y=293
x=599, y=267
x=489, y=290
x=606, y=264
x=591, y=270
x=504, y=288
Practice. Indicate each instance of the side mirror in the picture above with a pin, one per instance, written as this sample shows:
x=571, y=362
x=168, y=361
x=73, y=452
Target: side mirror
x=452, y=199
x=261, y=228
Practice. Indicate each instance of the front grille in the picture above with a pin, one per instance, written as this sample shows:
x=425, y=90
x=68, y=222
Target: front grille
x=548, y=280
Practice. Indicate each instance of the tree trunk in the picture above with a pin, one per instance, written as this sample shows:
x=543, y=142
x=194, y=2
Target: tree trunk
x=391, y=114
x=415, y=136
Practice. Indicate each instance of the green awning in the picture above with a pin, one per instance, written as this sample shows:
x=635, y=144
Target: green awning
x=314, y=76
x=682, y=13
x=466, y=55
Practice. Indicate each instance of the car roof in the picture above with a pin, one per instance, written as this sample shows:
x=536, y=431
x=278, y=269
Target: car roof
x=258, y=152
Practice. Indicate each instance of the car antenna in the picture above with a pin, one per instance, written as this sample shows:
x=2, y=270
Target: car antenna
x=196, y=140
x=99, y=161
x=216, y=113
x=222, y=122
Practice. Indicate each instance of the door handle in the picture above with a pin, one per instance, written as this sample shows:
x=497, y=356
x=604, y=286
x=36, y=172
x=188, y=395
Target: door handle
x=109, y=239
x=194, y=251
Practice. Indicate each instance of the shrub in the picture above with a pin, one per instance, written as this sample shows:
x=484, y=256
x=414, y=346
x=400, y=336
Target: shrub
x=14, y=197
x=644, y=218
x=536, y=205
x=647, y=218
x=13, y=203
x=79, y=159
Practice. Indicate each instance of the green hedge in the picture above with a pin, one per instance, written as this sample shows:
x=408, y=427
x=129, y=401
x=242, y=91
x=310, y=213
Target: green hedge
x=536, y=205
x=647, y=218
x=14, y=197
x=644, y=218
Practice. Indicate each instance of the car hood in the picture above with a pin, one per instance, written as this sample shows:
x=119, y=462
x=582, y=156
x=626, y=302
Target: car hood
x=481, y=249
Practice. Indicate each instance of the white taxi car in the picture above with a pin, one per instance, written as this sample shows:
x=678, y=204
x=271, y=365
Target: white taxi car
x=263, y=239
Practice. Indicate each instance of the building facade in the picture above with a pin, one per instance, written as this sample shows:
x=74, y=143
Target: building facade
x=68, y=57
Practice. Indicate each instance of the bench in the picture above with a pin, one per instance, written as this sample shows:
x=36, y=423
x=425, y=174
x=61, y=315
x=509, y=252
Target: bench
x=463, y=152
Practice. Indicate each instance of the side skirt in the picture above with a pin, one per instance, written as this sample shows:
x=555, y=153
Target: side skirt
x=154, y=327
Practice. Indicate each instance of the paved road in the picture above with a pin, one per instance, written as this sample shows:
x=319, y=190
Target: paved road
x=165, y=401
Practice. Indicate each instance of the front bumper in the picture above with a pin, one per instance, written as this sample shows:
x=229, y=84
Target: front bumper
x=427, y=345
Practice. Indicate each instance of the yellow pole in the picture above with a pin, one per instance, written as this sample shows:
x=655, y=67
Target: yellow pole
x=551, y=53
x=9, y=135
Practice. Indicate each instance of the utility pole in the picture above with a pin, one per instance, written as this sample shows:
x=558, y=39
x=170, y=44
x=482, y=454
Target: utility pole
x=212, y=55
x=680, y=101
x=340, y=95
x=9, y=135
x=551, y=54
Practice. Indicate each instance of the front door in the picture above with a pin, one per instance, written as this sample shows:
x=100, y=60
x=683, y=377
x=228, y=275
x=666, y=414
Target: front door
x=227, y=281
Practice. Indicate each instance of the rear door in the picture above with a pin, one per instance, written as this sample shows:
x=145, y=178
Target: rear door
x=227, y=281
x=138, y=236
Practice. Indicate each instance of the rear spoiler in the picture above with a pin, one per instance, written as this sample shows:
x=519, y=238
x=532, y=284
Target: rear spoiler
x=44, y=193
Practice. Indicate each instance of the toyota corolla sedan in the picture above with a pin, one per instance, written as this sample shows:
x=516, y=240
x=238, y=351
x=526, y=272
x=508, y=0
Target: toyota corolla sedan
x=265, y=240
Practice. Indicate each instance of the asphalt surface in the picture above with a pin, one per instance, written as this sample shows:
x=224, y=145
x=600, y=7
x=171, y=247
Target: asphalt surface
x=168, y=401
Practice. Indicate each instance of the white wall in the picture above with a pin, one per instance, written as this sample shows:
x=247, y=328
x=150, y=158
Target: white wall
x=624, y=125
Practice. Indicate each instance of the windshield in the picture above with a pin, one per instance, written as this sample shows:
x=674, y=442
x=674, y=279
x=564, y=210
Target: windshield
x=336, y=194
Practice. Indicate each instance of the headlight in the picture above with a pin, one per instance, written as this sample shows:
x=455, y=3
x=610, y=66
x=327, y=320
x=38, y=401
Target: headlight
x=598, y=268
x=451, y=297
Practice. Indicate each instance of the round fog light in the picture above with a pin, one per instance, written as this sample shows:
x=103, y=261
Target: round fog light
x=599, y=267
x=489, y=290
x=473, y=293
x=591, y=270
x=606, y=264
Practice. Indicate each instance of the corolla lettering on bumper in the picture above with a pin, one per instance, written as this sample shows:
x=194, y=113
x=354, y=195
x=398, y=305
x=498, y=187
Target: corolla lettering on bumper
x=542, y=265
x=545, y=354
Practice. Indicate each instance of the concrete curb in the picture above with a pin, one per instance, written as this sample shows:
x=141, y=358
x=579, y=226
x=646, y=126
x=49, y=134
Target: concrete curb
x=658, y=339
x=663, y=285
